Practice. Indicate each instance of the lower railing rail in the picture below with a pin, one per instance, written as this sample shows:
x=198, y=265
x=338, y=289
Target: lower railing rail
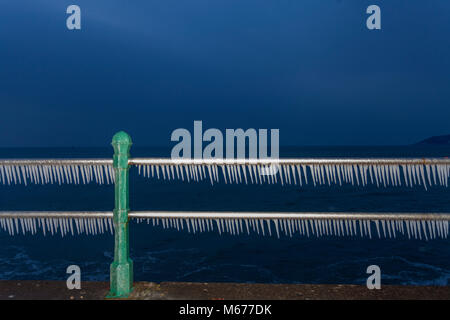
x=385, y=224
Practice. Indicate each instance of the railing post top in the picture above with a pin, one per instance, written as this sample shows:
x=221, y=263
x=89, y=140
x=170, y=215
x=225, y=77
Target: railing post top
x=121, y=143
x=121, y=138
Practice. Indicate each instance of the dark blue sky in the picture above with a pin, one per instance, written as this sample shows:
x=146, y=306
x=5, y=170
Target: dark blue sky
x=310, y=68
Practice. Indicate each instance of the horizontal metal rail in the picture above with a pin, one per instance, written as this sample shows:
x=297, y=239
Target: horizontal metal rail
x=56, y=214
x=289, y=215
x=55, y=162
x=281, y=161
x=287, y=161
x=232, y=215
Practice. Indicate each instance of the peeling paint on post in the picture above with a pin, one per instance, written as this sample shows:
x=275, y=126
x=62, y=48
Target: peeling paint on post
x=121, y=276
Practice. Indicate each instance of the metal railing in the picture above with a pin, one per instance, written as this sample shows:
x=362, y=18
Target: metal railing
x=321, y=171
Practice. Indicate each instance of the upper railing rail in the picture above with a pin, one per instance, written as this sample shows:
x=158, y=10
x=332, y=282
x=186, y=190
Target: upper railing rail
x=55, y=162
x=282, y=161
x=231, y=215
x=292, y=161
x=379, y=171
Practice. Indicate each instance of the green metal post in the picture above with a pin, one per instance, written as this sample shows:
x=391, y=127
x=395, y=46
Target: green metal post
x=121, y=272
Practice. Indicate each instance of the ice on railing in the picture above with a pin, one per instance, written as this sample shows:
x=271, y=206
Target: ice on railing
x=62, y=226
x=417, y=229
x=427, y=174
x=387, y=228
x=56, y=174
x=318, y=174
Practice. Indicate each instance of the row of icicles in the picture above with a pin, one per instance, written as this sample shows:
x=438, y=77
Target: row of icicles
x=417, y=229
x=59, y=174
x=320, y=174
x=53, y=226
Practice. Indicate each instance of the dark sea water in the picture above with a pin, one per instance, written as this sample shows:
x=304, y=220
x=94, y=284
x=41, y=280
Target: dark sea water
x=168, y=255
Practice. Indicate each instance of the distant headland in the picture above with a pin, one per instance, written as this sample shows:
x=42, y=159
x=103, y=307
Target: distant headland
x=436, y=140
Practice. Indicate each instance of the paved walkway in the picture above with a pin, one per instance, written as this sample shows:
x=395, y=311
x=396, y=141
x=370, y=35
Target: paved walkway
x=217, y=291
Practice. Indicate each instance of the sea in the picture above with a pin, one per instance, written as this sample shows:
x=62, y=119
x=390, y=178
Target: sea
x=168, y=255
